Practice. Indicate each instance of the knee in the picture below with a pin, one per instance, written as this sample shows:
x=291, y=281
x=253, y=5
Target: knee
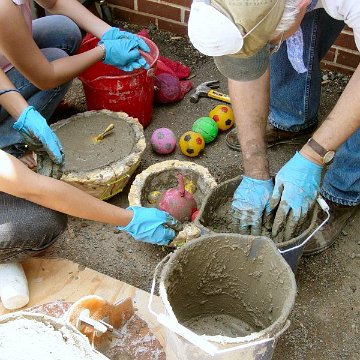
x=26, y=229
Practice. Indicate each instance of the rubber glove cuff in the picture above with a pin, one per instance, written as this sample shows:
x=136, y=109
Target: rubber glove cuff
x=19, y=124
x=302, y=161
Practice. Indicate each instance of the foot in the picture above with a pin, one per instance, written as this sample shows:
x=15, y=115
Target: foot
x=326, y=236
x=273, y=136
x=28, y=160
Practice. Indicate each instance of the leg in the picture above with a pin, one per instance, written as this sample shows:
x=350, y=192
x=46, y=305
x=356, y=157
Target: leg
x=63, y=40
x=26, y=229
x=295, y=98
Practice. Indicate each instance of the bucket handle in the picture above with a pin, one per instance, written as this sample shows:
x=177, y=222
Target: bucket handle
x=190, y=336
x=325, y=207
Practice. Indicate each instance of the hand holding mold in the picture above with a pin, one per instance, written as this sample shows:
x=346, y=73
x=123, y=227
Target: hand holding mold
x=151, y=225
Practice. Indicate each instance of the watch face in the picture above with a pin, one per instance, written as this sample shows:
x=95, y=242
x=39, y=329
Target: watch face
x=329, y=156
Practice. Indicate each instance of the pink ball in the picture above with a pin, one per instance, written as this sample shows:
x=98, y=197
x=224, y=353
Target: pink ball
x=163, y=141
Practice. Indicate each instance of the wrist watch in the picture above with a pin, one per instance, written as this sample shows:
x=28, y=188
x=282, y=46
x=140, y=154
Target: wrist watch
x=326, y=156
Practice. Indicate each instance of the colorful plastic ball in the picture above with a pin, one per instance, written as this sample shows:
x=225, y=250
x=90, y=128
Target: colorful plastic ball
x=191, y=143
x=223, y=116
x=207, y=127
x=163, y=141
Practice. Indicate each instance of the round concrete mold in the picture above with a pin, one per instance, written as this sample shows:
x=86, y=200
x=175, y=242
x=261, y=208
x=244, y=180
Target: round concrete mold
x=162, y=176
x=43, y=337
x=102, y=167
x=215, y=217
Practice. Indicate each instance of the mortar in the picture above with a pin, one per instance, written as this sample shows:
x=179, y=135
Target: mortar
x=100, y=168
x=214, y=217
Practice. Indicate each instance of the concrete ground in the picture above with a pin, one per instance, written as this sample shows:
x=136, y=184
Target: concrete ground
x=325, y=319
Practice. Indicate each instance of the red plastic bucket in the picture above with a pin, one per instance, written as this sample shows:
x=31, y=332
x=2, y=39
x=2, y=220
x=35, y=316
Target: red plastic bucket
x=107, y=87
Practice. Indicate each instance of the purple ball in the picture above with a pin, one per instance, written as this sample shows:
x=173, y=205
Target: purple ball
x=163, y=141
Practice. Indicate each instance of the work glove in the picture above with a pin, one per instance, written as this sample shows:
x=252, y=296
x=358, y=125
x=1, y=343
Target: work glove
x=38, y=136
x=296, y=188
x=151, y=225
x=122, y=50
x=250, y=203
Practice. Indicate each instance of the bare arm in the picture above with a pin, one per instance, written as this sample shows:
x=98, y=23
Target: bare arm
x=16, y=179
x=342, y=121
x=13, y=102
x=17, y=44
x=250, y=103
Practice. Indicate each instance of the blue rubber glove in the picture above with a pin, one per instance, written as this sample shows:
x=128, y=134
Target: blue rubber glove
x=115, y=33
x=38, y=135
x=250, y=203
x=297, y=185
x=123, y=54
x=151, y=225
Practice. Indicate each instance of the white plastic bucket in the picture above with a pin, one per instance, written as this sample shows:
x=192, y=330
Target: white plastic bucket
x=226, y=296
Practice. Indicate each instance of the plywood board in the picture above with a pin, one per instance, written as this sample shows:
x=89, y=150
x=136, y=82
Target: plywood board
x=63, y=280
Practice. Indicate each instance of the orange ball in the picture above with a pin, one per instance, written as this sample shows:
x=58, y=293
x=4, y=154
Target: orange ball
x=223, y=116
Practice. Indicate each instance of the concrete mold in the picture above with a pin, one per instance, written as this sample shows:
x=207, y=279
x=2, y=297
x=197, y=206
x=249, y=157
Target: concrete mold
x=101, y=168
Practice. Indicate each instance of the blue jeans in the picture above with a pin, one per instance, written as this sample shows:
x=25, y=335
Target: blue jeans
x=295, y=100
x=57, y=36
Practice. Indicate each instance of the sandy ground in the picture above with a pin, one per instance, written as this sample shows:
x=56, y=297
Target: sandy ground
x=325, y=320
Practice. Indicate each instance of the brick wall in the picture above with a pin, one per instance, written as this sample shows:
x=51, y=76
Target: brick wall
x=172, y=15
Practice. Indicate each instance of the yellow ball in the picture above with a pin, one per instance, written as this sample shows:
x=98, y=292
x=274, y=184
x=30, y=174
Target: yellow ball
x=191, y=143
x=223, y=116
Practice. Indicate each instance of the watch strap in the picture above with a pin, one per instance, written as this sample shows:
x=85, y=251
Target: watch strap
x=317, y=147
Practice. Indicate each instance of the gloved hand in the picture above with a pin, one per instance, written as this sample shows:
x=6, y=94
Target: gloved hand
x=115, y=33
x=38, y=135
x=250, y=201
x=151, y=225
x=122, y=50
x=296, y=188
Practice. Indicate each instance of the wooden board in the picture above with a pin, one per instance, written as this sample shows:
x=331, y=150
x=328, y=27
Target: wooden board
x=63, y=280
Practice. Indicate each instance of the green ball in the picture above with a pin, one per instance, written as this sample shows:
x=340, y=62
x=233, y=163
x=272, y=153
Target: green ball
x=207, y=127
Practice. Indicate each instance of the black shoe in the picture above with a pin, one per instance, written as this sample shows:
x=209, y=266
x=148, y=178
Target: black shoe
x=273, y=136
x=326, y=236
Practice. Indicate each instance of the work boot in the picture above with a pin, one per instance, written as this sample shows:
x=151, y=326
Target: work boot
x=273, y=136
x=326, y=236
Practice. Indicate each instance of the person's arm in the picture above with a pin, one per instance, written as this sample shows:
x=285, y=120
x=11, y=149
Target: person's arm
x=250, y=103
x=17, y=180
x=18, y=46
x=12, y=101
x=144, y=224
x=342, y=121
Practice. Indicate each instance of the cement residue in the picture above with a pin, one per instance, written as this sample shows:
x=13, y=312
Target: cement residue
x=26, y=338
x=220, y=324
x=225, y=285
x=82, y=153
